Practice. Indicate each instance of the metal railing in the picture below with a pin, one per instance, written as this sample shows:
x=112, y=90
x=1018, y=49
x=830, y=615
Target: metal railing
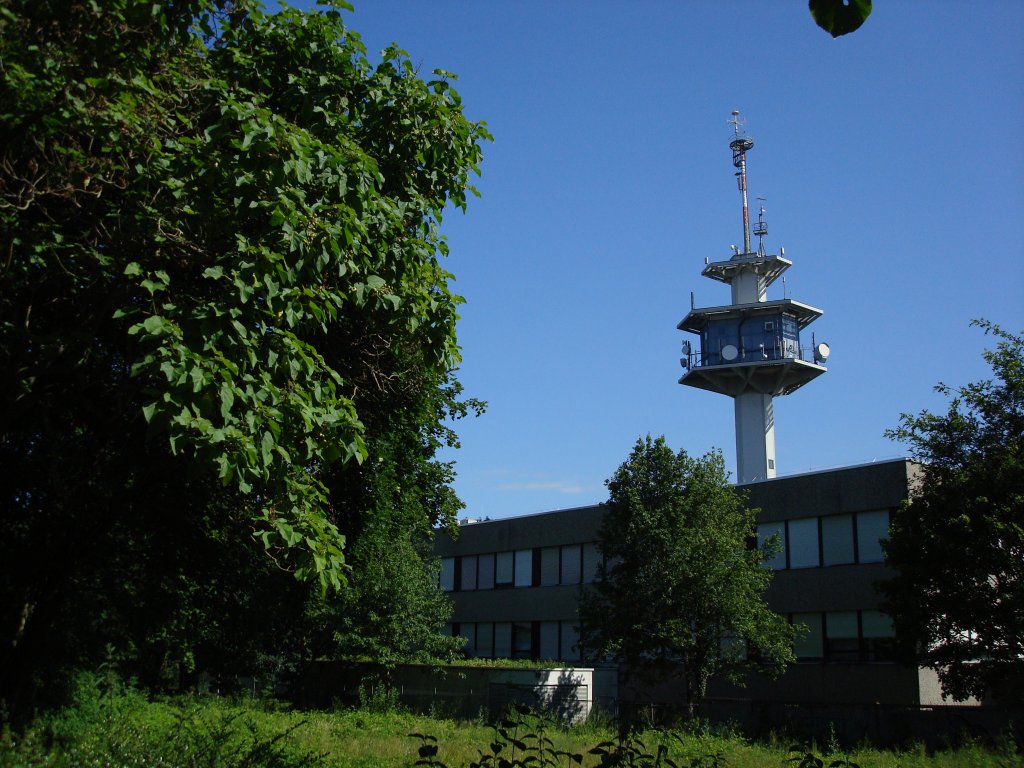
x=702, y=359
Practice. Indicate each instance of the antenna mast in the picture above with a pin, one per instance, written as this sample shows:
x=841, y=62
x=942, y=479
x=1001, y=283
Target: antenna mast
x=739, y=146
x=761, y=227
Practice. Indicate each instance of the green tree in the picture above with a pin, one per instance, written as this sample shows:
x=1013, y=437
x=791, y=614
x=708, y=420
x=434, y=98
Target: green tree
x=957, y=544
x=392, y=608
x=682, y=588
x=220, y=260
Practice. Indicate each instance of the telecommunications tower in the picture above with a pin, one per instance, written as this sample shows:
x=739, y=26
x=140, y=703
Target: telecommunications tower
x=750, y=349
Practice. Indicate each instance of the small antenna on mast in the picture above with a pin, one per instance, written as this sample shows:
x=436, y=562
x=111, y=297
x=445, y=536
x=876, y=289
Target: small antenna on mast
x=761, y=227
x=739, y=145
x=735, y=122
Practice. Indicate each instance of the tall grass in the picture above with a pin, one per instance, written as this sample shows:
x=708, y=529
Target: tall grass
x=108, y=725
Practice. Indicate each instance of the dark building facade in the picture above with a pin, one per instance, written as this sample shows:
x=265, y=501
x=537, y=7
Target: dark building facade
x=516, y=584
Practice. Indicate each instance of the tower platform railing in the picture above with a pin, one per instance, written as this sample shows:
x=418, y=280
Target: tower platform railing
x=708, y=359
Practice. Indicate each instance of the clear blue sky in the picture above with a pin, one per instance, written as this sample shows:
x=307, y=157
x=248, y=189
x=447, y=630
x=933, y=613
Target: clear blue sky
x=892, y=161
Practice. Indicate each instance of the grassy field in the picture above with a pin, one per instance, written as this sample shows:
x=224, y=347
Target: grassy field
x=128, y=730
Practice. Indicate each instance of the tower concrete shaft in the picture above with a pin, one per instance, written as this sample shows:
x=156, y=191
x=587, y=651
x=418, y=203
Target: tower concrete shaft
x=755, y=437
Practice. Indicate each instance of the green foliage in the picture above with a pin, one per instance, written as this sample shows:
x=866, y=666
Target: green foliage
x=957, y=544
x=521, y=739
x=681, y=584
x=427, y=751
x=250, y=197
x=633, y=752
x=839, y=17
x=378, y=696
x=224, y=324
x=391, y=609
x=805, y=757
x=109, y=725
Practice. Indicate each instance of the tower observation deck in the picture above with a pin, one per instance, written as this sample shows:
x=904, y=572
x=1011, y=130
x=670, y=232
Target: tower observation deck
x=750, y=349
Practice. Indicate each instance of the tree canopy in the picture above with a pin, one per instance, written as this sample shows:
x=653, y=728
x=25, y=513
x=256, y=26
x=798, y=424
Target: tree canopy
x=957, y=544
x=682, y=588
x=223, y=317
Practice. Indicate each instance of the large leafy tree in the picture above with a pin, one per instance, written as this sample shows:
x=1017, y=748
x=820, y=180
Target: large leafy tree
x=220, y=292
x=957, y=544
x=681, y=591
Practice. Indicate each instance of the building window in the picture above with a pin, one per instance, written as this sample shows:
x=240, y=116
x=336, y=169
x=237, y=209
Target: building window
x=503, y=640
x=764, y=532
x=524, y=568
x=879, y=636
x=504, y=567
x=571, y=564
x=591, y=562
x=548, y=641
x=485, y=572
x=549, y=566
x=570, y=638
x=468, y=581
x=803, y=543
x=448, y=574
x=522, y=640
x=829, y=540
x=812, y=645
x=468, y=631
x=837, y=540
x=485, y=640
x=842, y=636
x=846, y=636
x=872, y=529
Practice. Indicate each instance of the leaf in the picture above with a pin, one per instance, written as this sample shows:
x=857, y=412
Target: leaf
x=839, y=17
x=227, y=399
x=267, y=448
x=154, y=325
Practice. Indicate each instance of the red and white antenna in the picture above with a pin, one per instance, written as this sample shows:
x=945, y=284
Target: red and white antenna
x=739, y=145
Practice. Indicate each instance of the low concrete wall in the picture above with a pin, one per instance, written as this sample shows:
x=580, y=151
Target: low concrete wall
x=565, y=693
x=878, y=724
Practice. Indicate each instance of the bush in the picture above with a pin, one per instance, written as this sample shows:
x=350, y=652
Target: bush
x=108, y=724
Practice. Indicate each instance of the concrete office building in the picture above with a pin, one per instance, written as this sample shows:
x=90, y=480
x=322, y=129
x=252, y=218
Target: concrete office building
x=515, y=584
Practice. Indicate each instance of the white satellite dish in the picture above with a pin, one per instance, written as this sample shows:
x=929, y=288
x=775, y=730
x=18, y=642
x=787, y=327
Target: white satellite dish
x=821, y=352
x=729, y=352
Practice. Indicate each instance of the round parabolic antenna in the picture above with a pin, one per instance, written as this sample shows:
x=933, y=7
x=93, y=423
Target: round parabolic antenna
x=822, y=351
x=729, y=352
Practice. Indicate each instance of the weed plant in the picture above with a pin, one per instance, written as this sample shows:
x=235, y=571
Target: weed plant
x=111, y=725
